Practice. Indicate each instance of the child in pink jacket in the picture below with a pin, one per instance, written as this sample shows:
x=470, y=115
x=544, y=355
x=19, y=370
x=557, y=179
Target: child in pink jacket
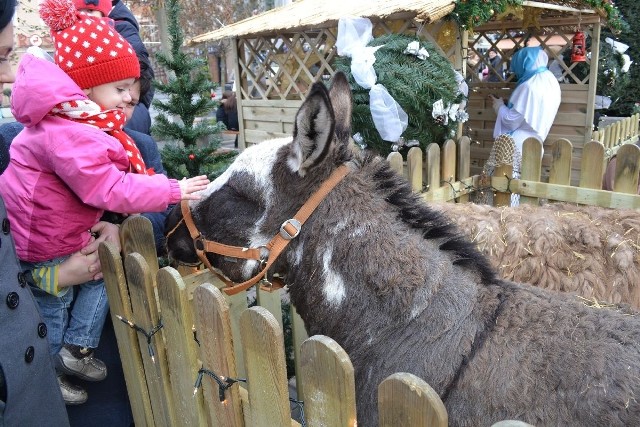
x=70, y=164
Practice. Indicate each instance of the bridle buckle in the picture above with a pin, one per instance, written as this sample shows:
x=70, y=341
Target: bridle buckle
x=290, y=229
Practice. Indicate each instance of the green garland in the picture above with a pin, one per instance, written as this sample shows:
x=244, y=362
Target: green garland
x=414, y=83
x=471, y=13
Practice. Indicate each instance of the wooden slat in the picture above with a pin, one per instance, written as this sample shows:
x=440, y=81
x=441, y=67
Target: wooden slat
x=213, y=327
x=448, y=158
x=566, y=193
x=407, y=400
x=120, y=305
x=464, y=163
x=432, y=166
x=263, y=345
x=395, y=161
x=627, y=169
x=272, y=301
x=300, y=334
x=145, y=314
x=328, y=376
x=136, y=235
x=592, y=168
x=561, y=168
x=257, y=136
x=415, y=168
x=270, y=113
x=530, y=169
x=182, y=351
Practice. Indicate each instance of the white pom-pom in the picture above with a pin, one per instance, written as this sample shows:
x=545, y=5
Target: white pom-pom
x=58, y=14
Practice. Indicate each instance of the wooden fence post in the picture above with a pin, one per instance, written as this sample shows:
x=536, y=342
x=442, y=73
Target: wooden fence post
x=407, y=400
x=263, y=344
x=182, y=357
x=627, y=169
x=592, y=165
x=145, y=315
x=414, y=168
x=213, y=329
x=120, y=305
x=395, y=161
x=561, y=168
x=531, y=166
x=330, y=385
x=432, y=166
x=464, y=163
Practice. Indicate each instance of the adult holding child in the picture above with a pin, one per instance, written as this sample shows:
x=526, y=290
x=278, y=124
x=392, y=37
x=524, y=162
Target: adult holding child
x=29, y=393
x=70, y=164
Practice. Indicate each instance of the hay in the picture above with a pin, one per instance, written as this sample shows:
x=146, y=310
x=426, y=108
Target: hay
x=590, y=251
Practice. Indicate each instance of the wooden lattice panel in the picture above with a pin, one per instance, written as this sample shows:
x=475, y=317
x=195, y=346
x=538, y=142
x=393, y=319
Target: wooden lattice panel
x=556, y=42
x=282, y=67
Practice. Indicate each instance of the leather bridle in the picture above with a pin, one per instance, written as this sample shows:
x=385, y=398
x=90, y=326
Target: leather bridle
x=266, y=254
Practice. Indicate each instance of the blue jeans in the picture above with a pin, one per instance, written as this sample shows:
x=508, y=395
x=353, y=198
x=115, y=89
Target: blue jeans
x=76, y=315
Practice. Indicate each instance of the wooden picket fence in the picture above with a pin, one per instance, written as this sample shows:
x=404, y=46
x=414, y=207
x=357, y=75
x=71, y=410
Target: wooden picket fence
x=172, y=330
x=445, y=174
x=616, y=134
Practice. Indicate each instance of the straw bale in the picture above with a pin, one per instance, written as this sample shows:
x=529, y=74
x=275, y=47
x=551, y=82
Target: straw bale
x=590, y=251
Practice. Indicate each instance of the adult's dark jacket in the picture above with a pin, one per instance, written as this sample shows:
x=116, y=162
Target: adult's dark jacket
x=29, y=392
x=127, y=25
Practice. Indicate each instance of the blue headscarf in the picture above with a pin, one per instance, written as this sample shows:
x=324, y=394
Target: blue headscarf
x=523, y=63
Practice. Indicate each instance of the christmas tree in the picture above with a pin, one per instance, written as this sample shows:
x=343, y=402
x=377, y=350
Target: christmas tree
x=189, y=90
x=426, y=88
x=626, y=94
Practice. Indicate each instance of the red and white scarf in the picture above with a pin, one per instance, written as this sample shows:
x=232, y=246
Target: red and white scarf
x=111, y=121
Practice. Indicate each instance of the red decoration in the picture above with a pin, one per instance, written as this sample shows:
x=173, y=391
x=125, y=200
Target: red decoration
x=192, y=156
x=578, y=51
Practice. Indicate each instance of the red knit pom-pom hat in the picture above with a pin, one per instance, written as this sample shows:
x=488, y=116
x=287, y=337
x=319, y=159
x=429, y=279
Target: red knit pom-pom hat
x=103, y=6
x=88, y=48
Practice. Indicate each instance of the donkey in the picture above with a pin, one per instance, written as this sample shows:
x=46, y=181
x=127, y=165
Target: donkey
x=401, y=290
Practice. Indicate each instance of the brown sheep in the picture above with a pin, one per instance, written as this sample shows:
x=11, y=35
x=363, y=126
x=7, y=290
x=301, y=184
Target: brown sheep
x=590, y=251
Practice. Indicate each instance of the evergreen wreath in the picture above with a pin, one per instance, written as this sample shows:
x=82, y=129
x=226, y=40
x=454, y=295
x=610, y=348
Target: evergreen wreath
x=414, y=83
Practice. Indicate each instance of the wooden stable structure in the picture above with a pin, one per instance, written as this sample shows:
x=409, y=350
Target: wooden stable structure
x=278, y=54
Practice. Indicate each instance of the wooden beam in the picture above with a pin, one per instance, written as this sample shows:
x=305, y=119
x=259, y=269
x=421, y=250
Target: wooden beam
x=551, y=6
x=567, y=193
x=549, y=22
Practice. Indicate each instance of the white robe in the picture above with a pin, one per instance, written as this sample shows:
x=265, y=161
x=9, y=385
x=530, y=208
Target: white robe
x=534, y=107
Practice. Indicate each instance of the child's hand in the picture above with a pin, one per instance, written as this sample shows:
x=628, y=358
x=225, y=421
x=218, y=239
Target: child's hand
x=188, y=186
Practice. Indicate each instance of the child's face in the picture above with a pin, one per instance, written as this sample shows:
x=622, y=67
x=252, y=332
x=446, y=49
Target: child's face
x=111, y=95
x=134, y=91
x=91, y=12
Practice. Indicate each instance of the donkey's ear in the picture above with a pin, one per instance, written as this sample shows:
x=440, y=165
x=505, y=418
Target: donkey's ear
x=313, y=130
x=340, y=95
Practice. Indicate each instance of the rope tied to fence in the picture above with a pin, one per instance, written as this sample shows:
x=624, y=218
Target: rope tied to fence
x=224, y=383
x=148, y=335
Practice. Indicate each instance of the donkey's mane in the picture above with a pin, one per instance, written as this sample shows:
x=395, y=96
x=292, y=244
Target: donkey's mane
x=413, y=211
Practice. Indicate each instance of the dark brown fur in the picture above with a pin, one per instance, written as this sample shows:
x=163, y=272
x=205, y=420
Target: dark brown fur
x=418, y=297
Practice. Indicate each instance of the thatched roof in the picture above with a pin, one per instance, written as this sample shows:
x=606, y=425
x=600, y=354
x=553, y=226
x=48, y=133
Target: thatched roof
x=307, y=14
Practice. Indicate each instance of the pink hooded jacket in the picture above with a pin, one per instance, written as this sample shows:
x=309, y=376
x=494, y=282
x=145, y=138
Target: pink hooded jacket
x=63, y=175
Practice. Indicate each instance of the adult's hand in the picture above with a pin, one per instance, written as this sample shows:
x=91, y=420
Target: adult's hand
x=105, y=232
x=188, y=186
x=497, y=103
x=79, y=268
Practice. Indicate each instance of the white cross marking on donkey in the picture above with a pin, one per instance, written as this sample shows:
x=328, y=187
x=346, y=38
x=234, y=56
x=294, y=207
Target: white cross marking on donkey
x=333, y=288
x=257, y=161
